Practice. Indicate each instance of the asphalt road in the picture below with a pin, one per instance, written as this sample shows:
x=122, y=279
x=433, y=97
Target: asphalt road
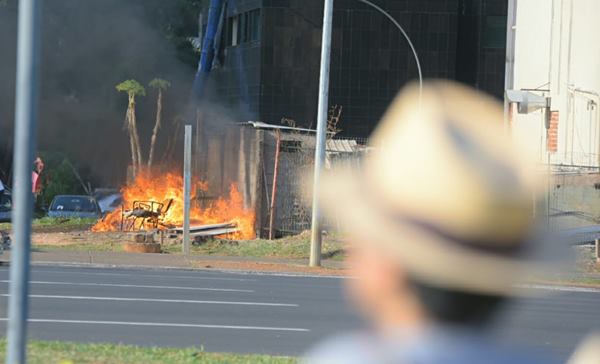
x=247, y=313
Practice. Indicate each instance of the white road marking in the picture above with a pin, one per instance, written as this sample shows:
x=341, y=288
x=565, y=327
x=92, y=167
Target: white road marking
x=141, y=275
x=137, y=286
x=132, y=299
x=551, y=287
x=164, y=324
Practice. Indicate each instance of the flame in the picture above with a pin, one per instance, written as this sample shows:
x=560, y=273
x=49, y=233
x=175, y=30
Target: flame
x=170, y=186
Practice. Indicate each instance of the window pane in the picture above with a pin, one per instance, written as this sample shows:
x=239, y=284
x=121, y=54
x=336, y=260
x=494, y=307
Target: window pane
x=255, y=25
x=235, y=31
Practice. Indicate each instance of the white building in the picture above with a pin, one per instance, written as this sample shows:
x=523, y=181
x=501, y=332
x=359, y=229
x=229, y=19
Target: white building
x=557, y=55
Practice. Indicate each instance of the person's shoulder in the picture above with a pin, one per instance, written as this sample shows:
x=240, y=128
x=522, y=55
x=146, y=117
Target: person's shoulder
x=357, y=348
x=352, y=348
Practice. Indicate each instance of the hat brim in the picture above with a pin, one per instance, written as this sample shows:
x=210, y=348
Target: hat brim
x=425, y=255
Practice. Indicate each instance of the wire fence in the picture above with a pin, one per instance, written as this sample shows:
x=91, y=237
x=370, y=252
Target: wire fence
x=292, y=213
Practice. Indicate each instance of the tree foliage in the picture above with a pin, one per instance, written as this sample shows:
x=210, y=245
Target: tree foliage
x=132, y=87
x=159, y=84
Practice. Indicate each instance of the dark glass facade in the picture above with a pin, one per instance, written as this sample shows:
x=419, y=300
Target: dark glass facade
x=269, y=59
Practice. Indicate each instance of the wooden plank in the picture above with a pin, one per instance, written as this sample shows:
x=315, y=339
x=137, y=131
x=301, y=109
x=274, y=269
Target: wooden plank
x=214, y=232
x=179, y=230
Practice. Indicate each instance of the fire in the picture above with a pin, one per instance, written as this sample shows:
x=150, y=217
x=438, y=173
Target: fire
x=170, y=186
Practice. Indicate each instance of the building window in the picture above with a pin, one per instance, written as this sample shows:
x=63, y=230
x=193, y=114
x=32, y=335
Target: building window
x=254, y=25
x=232, y=31
x=243, y=28
x=494, y=31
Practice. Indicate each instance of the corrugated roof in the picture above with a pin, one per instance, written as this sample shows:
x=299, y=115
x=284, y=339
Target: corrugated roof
x=342, y=146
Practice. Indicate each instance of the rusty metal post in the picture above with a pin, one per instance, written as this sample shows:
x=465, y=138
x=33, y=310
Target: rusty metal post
x=274, y=190
x=597, y=251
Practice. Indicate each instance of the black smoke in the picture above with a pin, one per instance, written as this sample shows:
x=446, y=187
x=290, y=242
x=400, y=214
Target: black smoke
x=87, y=48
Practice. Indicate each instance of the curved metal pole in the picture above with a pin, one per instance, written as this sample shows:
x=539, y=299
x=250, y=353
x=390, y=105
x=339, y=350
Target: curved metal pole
x=405, y=36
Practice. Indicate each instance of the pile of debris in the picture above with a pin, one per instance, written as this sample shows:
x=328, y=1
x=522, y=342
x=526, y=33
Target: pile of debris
x=202, y=232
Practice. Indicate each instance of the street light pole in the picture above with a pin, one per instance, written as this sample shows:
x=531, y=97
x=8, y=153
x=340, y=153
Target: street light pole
x=410, y=44
x=26, y=96
x=315, y=240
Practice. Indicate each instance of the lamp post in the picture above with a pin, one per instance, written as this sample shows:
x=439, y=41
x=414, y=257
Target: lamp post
x=316, y=232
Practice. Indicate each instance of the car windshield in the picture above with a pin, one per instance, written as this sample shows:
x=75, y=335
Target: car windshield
x=5, y=203
x=73, y=203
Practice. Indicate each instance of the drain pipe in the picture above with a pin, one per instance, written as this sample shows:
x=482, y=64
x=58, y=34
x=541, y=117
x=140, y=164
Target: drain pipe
x=208, y=53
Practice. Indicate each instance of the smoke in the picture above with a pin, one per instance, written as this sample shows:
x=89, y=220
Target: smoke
x=87, y=48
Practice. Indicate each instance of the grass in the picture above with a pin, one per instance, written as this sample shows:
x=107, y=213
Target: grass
x=51, y=222
x=48, y=352
x=292, y=247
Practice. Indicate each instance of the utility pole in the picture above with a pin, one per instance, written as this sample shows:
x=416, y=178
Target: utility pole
x=26, y=96
x=187, y=186
x=316, y=234
x=509, y=71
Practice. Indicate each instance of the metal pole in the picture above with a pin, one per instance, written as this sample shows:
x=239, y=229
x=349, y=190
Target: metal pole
x=315, y=241
x=509, y=71
x=24, y=146
x=410, y=44
x=187, y=186
x=274, y=190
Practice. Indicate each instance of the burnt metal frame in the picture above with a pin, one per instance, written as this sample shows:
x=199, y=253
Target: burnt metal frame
x=149, y=212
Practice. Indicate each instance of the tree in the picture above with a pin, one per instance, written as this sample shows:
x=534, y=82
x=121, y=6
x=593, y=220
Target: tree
x=159, y=85
x=133, y=88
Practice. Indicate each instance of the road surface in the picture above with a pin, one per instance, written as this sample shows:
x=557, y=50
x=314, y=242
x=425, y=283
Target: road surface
x=246, y=313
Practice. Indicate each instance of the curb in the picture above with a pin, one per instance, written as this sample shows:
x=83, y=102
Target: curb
x=172, y=268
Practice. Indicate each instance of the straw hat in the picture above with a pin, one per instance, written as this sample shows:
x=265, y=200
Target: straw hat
x=444, y=192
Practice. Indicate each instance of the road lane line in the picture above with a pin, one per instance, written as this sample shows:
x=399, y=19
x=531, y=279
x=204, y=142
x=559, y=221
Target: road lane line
x=561, y=288
x=166, y=324
x=137, y=286
x=141, y=275
x=131, y=299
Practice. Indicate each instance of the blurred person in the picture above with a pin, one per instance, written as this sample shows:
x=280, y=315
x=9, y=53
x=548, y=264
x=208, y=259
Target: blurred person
x=439, y=218
x=38, y=168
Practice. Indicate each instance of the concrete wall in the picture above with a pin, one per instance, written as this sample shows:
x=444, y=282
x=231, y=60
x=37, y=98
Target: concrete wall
x=556, y=50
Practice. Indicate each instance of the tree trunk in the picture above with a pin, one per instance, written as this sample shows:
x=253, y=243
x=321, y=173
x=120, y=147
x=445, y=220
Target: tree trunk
x=136, y=138
x=131, y=141
x=156, y=127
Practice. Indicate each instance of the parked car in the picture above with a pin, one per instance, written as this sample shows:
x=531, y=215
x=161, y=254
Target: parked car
x=5, y=207
x=74, y=206
x=110, y=203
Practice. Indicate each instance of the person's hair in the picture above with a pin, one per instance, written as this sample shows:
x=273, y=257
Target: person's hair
x=455, y=307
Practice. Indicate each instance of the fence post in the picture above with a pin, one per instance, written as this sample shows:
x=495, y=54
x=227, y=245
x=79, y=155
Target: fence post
x=187, y=186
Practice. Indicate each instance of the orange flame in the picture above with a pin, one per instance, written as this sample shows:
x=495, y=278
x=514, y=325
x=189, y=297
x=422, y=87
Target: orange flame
x=170, y=186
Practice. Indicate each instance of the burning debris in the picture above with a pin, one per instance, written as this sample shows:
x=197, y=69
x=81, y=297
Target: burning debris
x=156, y=202
x=147, y=213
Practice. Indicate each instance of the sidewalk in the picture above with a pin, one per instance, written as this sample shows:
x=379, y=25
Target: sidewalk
x=178, y=261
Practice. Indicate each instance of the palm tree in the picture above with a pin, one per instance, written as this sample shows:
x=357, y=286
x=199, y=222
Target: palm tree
x=133, y=88
x=159, y=85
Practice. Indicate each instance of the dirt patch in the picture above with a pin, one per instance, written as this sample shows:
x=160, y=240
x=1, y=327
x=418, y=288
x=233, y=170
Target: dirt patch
x=76, y=237
x=141, y=247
